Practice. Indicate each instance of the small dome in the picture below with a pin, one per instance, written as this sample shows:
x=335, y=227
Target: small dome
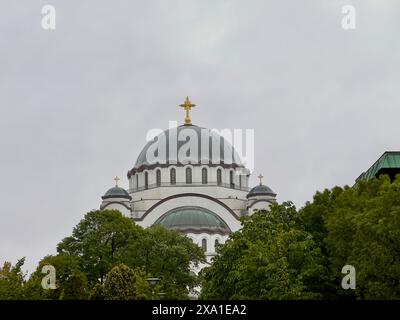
x=193, y=219
x=116, y=192
x=261, y=190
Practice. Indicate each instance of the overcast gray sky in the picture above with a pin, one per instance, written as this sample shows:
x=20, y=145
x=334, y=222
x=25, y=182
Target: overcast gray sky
x=76, y=102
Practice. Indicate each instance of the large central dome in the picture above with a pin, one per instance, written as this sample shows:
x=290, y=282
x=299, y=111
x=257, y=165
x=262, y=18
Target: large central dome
x=208, y=147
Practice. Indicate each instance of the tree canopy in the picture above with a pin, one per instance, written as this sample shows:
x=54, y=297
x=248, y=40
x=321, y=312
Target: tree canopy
x=282, y=253
x=271, y=257
x=360, y=226
x=99, y=242
x=12, y=281
x=105, y=239
x=124, y=283
x=168, y=255
x=71, y=282
x=290, y=254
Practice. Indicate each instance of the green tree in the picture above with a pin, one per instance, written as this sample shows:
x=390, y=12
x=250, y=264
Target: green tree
x=360, y=226
x=75, y=288
x=12, y=280
x=168, y=255
x=124, y=283
x=104, y=239
x=271, y=257
x=99, y=242
x=97, y=292
x=313, y=217
x=71, y=283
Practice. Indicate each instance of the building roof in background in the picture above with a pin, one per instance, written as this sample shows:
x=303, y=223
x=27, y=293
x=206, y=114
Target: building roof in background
x=389, y=162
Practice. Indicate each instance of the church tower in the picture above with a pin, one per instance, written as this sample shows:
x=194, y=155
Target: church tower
x=202, y=194
x=260, y=197
x=117, y=198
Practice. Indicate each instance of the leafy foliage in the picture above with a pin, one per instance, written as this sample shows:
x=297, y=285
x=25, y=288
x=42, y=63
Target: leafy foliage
x=168, y=255
x=104, y=239
x=12, y=281
x=360, y=227
x=279, y=254
x=99, y=242
x=124, y=283
x=271, y=257
x=71, y=283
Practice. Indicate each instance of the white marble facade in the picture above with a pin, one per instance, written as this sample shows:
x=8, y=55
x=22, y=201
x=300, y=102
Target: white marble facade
x=199, y=197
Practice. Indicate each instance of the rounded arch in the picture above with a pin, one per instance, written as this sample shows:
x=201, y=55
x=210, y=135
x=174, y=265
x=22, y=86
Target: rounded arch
x=189, y=174
x=158, y=177
x=220, y=176
x=204, y=175
x=172, y=175
x=115, y=202
x=232, y=178
x=146, y=179
x=187, y=199
x=269, y=201
x=204, y=244
x=217, y=241
x=261, y=204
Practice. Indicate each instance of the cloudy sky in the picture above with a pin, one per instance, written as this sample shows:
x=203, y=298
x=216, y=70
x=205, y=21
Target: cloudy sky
x=76, y=102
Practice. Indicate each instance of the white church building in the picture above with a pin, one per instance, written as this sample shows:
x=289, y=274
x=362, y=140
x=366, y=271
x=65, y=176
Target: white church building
x=190, y=179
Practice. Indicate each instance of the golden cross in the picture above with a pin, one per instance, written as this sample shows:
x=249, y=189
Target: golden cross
x=260, y=177
x=187, y=106
x=116, y=181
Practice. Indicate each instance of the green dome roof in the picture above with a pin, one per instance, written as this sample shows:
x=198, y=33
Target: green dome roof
x=215, y=139
x=261, y=190
x=193, y=219
x=116, y=192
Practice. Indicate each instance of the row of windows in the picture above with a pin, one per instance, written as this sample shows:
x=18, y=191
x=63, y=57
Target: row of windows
x=172, y=173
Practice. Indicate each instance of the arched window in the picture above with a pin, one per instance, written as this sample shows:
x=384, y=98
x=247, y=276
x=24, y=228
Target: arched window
x=232, y=184
x=188, y=175
x=137, y=182
x=204, y=245
x=240, y=181
x=216, y=243
x=158, y=178
x=204, y=177
x=172, y=176
x=219, y=177
x=146, y=180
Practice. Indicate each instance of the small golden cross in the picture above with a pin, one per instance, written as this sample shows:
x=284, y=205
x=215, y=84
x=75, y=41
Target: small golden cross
x=116, y=179
x=187, y=106
x=260, y=177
